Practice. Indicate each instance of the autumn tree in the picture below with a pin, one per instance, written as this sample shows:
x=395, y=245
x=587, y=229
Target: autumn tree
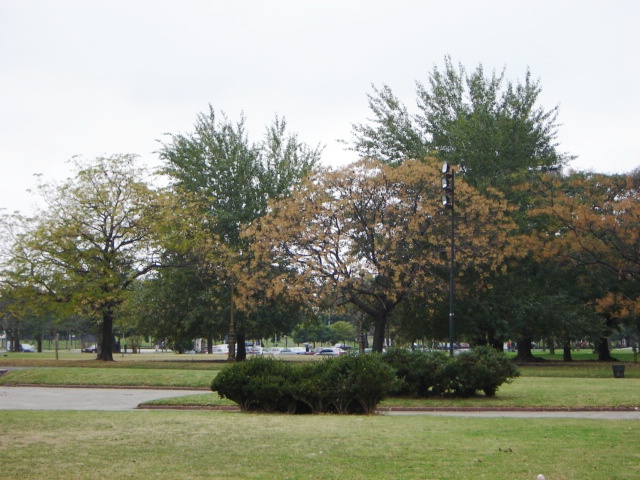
x=371, y=235
x=592, y=221
x=94, y=237
x=231, y=179
x=494, y=129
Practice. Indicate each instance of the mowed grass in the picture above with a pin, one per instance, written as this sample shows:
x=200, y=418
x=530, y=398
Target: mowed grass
x=223, y=445
x=144, y=444
x=551, y=385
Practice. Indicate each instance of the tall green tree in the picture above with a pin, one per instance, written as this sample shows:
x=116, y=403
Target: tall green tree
x=231, y=179
x=94, y=237
x=491, y=127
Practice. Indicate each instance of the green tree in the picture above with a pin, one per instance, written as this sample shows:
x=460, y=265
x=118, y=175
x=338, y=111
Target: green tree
x=492, y=128
x=95, y=237
x=231, y=179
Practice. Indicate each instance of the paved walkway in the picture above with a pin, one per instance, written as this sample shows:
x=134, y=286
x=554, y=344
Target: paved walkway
x=70, y=398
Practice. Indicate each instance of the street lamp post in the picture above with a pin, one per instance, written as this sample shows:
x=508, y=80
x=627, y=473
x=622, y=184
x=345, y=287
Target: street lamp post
x=448, y=202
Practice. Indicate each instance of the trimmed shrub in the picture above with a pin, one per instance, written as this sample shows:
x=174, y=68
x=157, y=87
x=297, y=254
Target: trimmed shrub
x=425, y=374
x=350, y=384
x=419, y=374
x=482, y=369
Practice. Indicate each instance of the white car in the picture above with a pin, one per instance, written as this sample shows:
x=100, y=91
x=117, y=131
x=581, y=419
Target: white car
x=293, y=351
x=331, y=351
x=224, y=348
x=272, y=350
x=25, y=347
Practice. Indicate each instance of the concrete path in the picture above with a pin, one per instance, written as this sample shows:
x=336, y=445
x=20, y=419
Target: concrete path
x=70, y=398
x=53, y=398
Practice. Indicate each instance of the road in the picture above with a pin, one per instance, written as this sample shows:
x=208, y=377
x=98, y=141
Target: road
x=113, y=399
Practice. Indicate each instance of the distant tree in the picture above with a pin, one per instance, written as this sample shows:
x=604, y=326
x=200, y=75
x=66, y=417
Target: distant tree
x=231, y=179
x=95, y=237
x=592, y=221
x=371, y=235
x=492, y=128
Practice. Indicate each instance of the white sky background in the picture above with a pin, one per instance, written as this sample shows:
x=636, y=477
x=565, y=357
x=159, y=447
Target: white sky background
x=91, y=78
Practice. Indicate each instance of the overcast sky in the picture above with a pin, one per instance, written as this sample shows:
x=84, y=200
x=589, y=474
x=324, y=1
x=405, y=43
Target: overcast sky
x=92, y=78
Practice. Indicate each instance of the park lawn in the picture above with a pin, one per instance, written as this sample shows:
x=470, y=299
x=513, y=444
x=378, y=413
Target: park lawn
x=523, y=393
x=560, y=386
x=167, y=444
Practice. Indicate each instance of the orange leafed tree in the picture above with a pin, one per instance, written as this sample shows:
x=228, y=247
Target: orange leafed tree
x=593, y=220
x=372, y=235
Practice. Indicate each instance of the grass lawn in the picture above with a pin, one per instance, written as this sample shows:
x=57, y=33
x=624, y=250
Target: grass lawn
x=146, y=444
x=194, y=445
x=552, y=384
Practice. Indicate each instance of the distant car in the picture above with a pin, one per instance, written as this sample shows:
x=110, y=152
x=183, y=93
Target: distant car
x=332, y=351
x=224, y=348
x=272, y=351
x=254, y=350
x=90, y=349
x=26, y=347
x=293, y=351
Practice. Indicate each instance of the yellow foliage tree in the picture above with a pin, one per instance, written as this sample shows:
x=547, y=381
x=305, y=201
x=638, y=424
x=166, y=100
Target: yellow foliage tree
x=372, y=235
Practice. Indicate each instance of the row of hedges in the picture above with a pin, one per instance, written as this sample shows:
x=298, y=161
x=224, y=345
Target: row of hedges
x=353, y=384
x=356, y=384
x=432, y=374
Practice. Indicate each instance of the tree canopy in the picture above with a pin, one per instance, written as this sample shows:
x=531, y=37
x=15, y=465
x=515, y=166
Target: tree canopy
x=95, y=237
x=371, y=235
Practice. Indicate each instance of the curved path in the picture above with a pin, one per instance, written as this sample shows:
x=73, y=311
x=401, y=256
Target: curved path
x=71, y=398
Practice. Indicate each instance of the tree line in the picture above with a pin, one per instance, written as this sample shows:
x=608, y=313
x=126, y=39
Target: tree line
x=234, y=238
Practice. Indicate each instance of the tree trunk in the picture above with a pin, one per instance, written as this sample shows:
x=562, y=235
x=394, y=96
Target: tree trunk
x=379, y=331
x=241, y=348
x=602, y=347
x=232, y=331
x=566, y=351
x=552, y=345
x=105, y=352
x=524, y=351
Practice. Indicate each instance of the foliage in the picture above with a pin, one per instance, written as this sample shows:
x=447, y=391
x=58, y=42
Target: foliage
x=349, y=384
x=419, y=374
x=429, y=374
x=591, y=222
x=371, y=235
x=229, y=179
x=97, y=235
x=489, y=126
x=482, y=369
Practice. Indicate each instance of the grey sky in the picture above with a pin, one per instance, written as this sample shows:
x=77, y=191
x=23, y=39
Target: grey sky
x=83, y=77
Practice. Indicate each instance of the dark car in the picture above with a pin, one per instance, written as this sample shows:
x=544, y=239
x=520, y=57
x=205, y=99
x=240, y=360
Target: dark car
x=90, y=349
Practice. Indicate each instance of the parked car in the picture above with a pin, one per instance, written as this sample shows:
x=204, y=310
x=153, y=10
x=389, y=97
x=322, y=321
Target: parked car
x=223, y=348
x=90, y=349
x=293, y=351
x=272, y=350
x=331, y=351
x=26, y=347
x=254, y=350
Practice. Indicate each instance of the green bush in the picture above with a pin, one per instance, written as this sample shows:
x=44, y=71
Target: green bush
x=425, y=374
x=482, y=369
x=419, y=373
x=351, y=384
